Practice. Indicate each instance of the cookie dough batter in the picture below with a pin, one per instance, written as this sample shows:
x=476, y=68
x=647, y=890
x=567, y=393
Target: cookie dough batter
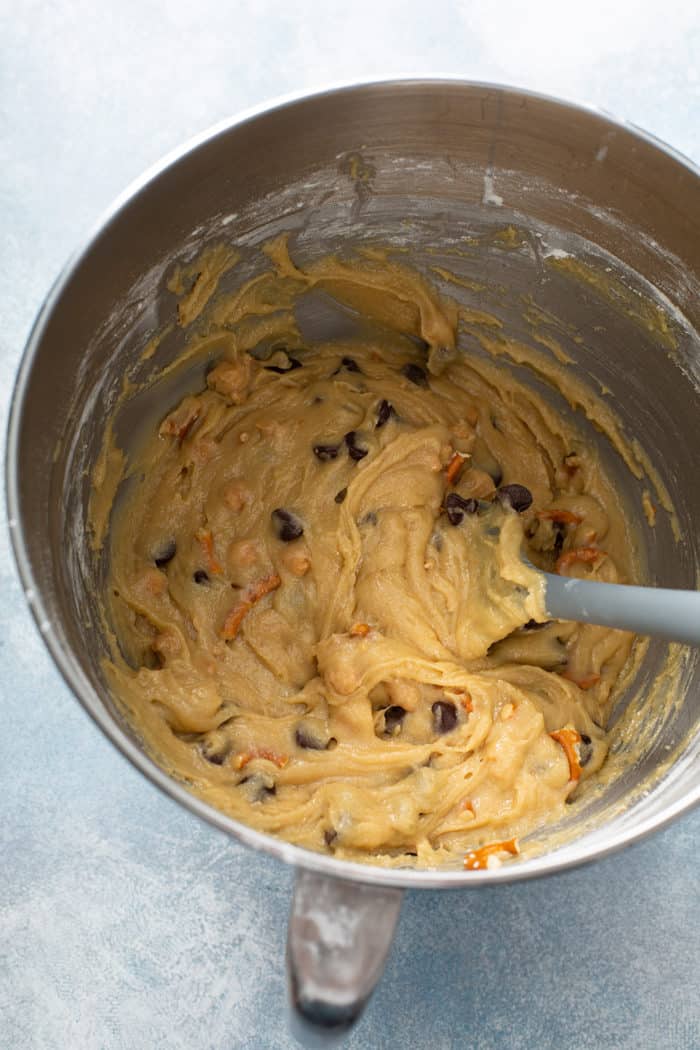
x=324, y=623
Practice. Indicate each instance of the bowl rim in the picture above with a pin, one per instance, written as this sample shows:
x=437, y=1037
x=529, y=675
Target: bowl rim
x=573, y=854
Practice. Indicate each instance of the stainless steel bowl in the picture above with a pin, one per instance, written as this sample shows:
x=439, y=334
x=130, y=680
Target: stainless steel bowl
x=421, y=164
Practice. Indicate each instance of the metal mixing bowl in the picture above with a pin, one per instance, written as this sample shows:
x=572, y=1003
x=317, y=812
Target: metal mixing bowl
x=443, y=168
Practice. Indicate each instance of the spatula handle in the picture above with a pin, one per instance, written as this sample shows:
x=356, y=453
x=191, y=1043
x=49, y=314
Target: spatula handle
x=658, y=611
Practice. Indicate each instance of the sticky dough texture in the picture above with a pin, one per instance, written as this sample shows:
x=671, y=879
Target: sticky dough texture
x=378, y=696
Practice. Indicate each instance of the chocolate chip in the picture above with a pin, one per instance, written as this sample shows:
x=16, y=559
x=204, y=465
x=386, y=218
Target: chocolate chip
x=457, y=506
x=258, y=786
x=287, y=525
x=354, y=450
x=152, y=660
x=310, y=739
x=559, y=530
x=326, y=452
x=166, y=554
x=200, y=576
x=515, y=496
x=216, y=758
x=215, y=747
x=329, y=836
x=585, y=750
x=415, y=374
x=393, y=717
x=349, y=364
x=293, y=363
x=340, y=496
x=385, y=411
x=444, y=716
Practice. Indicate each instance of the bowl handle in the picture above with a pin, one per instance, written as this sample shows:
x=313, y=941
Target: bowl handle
x=338, y=939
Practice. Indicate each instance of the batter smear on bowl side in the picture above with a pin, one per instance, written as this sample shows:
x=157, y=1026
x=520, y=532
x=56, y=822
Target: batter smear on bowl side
x=325, y=626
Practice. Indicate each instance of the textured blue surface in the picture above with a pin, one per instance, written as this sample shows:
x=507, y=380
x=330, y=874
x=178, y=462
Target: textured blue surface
x=124, y=923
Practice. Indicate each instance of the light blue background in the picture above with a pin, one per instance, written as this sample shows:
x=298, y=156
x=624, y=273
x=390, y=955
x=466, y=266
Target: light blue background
x=125, y=923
